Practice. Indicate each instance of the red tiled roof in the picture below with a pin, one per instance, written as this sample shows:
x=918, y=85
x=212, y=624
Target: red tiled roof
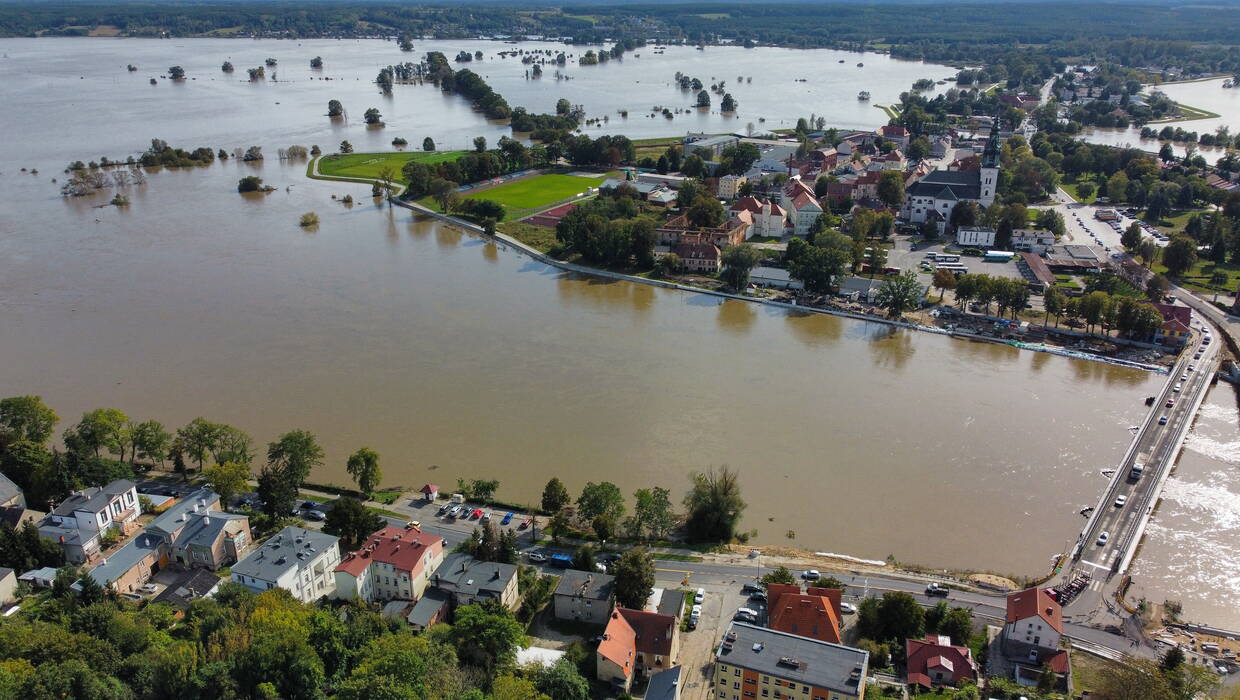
x=893, y=131
x=803, y=614
x=1058, y=661
x=749, y=203
x=1183, y=314
x=934, y=651
x=402, y=548
x=654, y=631
x=801, y=200
x=430, y=488
x=1035, y=602
x=619, y=643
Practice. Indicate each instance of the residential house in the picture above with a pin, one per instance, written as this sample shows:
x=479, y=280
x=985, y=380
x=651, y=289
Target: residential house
x=430, y=609
x=393, y=564
x=730, y=185
x=975, y=237
x=126, y=569
x=1177, y=324
x=584, y=596
x=888, y=161
x=80, y=521
x=195, y=533
x=859, y=288
x=942, y=190
x=699, y=257
x=935, y=661
x=298, y=560
x=11, y=495
x=43, y=577
x=671, y=602
x=467, y=580
x=865, y=186
x=8, y=585
x=774, y=277
x=895, y=134
x=664, y=685
x=636, y=643
x=1031, y=241
x=1032, y=630
x=196, y=583
x=802, y=205
x=814, y=613
x=752, y=660
x=17, y=516
x=767, y=218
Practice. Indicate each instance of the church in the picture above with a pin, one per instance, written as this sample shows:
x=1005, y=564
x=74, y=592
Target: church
x=933, y=197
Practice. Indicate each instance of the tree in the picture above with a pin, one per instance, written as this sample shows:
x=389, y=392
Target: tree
x=703, y=99
x=480, y=144
x=296, y=453
x=603, y=498
x=1117, y=187
x=561, y=681
x=1179, y=255
x=316, y=62
x=334, y=108
x=943, y=280
x=1131, y=238
x=900, y=294
x=728, y=103
x=634, y=573
x=23, y=549
x=26, y=418
x=1166, y=153
x=1085, y=191
x=372, y=116
x=705, y=212
x=583, y=559
x=441, y=191
x=558, y=525
x=151, y=441
x=510, y=687
x=957, y=624
x=197, y=439
x=176, y=73
x=876, y=259
x=277, y=493
x=901, y=617
x=249, y=183
x=713, y=505
x=227, y=67
x=555, y=496
x=738, y=261
x=346, y=147
x=349, y=520
x=363, y=466
x=693, y=166
x=428, y=144
x=779, y=575
x=891, y=188
x=738, y=159
x=1053, y=301
x=227, y=479
x=98, y=429
x=653, y=511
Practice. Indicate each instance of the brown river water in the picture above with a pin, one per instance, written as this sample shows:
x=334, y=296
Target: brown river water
x=455, y=359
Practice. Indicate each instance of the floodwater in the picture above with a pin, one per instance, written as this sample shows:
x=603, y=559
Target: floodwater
x=1209, y=95
x=455, y=359
x=1192, y=545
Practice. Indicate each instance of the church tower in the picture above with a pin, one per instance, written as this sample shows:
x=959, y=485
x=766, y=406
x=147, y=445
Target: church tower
x=989, y=176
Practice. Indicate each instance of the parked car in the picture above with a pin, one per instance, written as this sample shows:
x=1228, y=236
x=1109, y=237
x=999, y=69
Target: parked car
x=936, y=589
x=309, y=505
x=1103, y=538
x=507, y=519
x=744, y=617
x=443, y=510
x=747, y=611
x=758, y=595
x=811, y=575
x=316, y=515
x=848, y=608
x=537, y=558
x=476, y=514
x=700, y=595
x=751, y=587
x=149, y=588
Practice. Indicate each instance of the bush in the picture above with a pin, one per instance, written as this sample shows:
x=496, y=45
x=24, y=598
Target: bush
x=250, y=183
x=309, y=219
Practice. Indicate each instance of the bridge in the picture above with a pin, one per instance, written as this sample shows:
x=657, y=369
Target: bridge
x=1110, y=539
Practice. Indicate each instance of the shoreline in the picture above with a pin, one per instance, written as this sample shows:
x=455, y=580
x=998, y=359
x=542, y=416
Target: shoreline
x=607, y=274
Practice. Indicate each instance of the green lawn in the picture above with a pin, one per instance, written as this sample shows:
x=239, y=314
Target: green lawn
x=1175, y=224
x=368, y=165
x=539, y=238
x=535, y=192
x=1198, y=277
x=1070, y=188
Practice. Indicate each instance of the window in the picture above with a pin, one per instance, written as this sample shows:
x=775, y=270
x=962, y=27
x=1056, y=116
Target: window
x=766, y=692
x=736, y=685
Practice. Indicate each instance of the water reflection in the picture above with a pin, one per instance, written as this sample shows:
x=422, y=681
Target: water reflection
x=737, y=317
x=813, y=329
x=891, y=347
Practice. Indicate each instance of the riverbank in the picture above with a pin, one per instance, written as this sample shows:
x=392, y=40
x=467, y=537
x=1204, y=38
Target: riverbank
x=869, y=318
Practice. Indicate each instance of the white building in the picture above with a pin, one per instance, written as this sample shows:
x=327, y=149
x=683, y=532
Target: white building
x=393, y=564
x=298, y=560
x=975, y=237
x=78, y=523
x=765, y=217
x=1031, y=241
x=942, y=190
x=802, y=205
x=1034, y=620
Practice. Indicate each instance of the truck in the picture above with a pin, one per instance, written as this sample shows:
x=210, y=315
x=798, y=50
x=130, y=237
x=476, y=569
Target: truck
x=1137, y=470
x=560, y=561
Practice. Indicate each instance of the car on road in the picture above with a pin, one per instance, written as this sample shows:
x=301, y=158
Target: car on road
x=1184, y=377
x=413, y=524
x=1162, y=421
x=1103, y=538
x=537, y=557
x=752, y=588
x=700, y=595
x=848, y=608
x=1191, y=367
x=316, y=515
x=1176, y=388
x=811, y=575
x=1120, y=500
x=936, y=589
x=1170, y=403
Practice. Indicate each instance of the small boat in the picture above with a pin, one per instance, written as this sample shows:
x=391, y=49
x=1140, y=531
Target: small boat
x=859, y=65
x=863, y=95
x=841, y=60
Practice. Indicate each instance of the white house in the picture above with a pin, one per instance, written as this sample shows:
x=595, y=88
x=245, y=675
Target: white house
x=1031, y=241
x=393, y=564
x=975, y=237
x=1033, y=620
x=765, y=217
x=802, y=205
x=298, y=560
x=78, y=523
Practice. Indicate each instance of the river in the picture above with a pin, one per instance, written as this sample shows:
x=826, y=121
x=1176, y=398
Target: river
x=1203, y=94
x=455, y=359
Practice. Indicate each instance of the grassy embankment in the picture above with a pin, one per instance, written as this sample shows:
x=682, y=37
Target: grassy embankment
x=365, y=167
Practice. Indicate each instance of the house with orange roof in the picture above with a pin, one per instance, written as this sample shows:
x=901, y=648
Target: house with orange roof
x=935, y=661
x=393, y=564
x=1032, y=630
x=814, y=613
x=766, y=217
x=636, y=643
x=1177, y=324
x=802, y=205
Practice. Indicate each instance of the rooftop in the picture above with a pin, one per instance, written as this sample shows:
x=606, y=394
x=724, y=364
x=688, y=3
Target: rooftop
x=93, y=499
x=1035, y=602
x=465, y=575
x=199, y=583
x=173, y=519
x=8, y=490
x=124, y=559
x=663, y=685
x=801, y=659
x=402, y=548
x=584, y=584
x=291, y=548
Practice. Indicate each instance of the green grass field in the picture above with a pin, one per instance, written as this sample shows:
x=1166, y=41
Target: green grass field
x=535, y=192
x=368, y=165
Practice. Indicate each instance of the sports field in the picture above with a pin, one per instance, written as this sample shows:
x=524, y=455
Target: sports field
x=368, y=165
x=538, y=191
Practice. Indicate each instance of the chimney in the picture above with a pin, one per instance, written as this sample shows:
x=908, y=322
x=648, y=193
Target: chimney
x=206, y=519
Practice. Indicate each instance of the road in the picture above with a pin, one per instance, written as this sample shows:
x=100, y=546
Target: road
x=1106, y=545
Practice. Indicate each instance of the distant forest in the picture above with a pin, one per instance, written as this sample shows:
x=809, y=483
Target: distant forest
x=1196, y=39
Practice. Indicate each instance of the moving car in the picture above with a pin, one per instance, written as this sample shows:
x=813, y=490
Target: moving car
x=811, y=575
x=1170, y=403
x=537, y=558
x=936, y=589
x=1103, y=538
x=413, y=524
x=1162, y=421
x=1120, y=500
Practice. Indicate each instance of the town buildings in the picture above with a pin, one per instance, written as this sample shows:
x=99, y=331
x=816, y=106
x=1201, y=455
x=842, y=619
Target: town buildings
x=466, y=580
x=636, y=643
x=79, y=522
x=753, y=662
x=1032, y=630
x=765, y=217
x=298, y=560
x=814, y=613
x=941, y=190
x=393, y=564
x=975, y=237
x=935, y=661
